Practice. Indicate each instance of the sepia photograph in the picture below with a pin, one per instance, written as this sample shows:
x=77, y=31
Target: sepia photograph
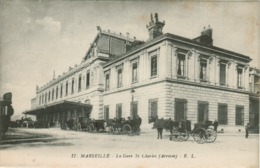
x=129, y=84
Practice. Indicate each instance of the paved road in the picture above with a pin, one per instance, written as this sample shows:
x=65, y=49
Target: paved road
x=55, y=147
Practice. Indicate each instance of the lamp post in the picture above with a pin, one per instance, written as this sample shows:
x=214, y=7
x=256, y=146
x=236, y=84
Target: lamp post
x=132, y=105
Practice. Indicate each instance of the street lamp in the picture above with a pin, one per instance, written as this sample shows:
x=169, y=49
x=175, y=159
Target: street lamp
x=132, y=105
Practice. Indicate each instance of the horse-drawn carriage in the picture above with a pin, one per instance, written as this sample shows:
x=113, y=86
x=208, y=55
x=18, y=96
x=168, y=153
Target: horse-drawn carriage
x=122, y=126
x=180, y=131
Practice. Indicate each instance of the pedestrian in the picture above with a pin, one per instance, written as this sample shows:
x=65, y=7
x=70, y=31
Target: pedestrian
x=139, y=121
x=215, y=124
x=159, y=125
x=247, y=131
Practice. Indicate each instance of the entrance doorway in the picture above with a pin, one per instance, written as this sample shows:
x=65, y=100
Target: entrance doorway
x=180, y=109
x=203, y=111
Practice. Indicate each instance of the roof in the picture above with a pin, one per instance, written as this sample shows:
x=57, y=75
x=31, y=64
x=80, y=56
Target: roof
x=54, y=107
x=176, y=38
x=108, y=33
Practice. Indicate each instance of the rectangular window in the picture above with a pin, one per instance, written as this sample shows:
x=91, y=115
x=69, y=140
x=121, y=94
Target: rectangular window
x=203, y=111
x=61, y=88
x=67, y=88
x=239, y=77
x=72, y=86
x=154, y=66
x=49, y=96
x=134, y=72
x=106, y=113
x=87, y=79
x=57, y=92
x=181, y=65
x=134, y=109
x=180, y=109
x=107, y=82
x=42, y=98
x=119, y=111
x=223, y=114
x=46, y=97
x=239, y=115
x=79, y=84
x=119, y=77
x=203, y=70
x=153, y=108
x=52, y=95
x=222, y=74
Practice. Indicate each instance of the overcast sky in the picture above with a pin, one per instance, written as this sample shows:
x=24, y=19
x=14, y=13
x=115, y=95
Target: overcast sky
x=37, y=37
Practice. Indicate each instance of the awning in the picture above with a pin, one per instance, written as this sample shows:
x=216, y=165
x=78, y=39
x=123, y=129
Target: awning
x=59, y=106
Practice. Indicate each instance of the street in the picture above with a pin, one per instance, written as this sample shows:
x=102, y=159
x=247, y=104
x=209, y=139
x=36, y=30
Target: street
x=55, y=147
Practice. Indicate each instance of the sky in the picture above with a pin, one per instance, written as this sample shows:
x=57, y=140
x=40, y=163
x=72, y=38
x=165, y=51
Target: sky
x=40, y=37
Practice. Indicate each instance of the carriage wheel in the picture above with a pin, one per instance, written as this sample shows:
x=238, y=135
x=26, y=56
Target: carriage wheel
x=126, y=129
x=176, y=136
x=211, y=135
x=199, y=135
x=184, y=135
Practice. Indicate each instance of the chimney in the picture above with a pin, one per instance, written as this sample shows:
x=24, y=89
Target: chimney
x=206, y=36
x=155, y=27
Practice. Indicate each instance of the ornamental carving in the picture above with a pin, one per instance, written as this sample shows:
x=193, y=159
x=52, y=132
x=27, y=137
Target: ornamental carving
x=229, y=64
x=211, y=59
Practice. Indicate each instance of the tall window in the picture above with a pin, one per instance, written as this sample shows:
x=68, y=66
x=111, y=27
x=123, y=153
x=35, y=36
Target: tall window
x=46, y=94
x=223, y=114
x=87, y=79
x=181, y=65
x=61, y=88
x=119, y=111
x=49, y=96
x=52, y=94
x=134, y=72
x=222, y=74
x=119, y=77
x=106, y=113
x=203, y=69
x=67, y=88
x=203, y=111
x=239, y=115
x=79, y=84
x=57, y=92
x=42, y=98
x=154, y=66
x=239, y=77
x=180, y=109
x=153, y=108
x=72, y=86
x=107, y=82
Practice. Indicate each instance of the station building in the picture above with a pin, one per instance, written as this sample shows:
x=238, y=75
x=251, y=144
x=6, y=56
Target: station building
x=168, y=76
